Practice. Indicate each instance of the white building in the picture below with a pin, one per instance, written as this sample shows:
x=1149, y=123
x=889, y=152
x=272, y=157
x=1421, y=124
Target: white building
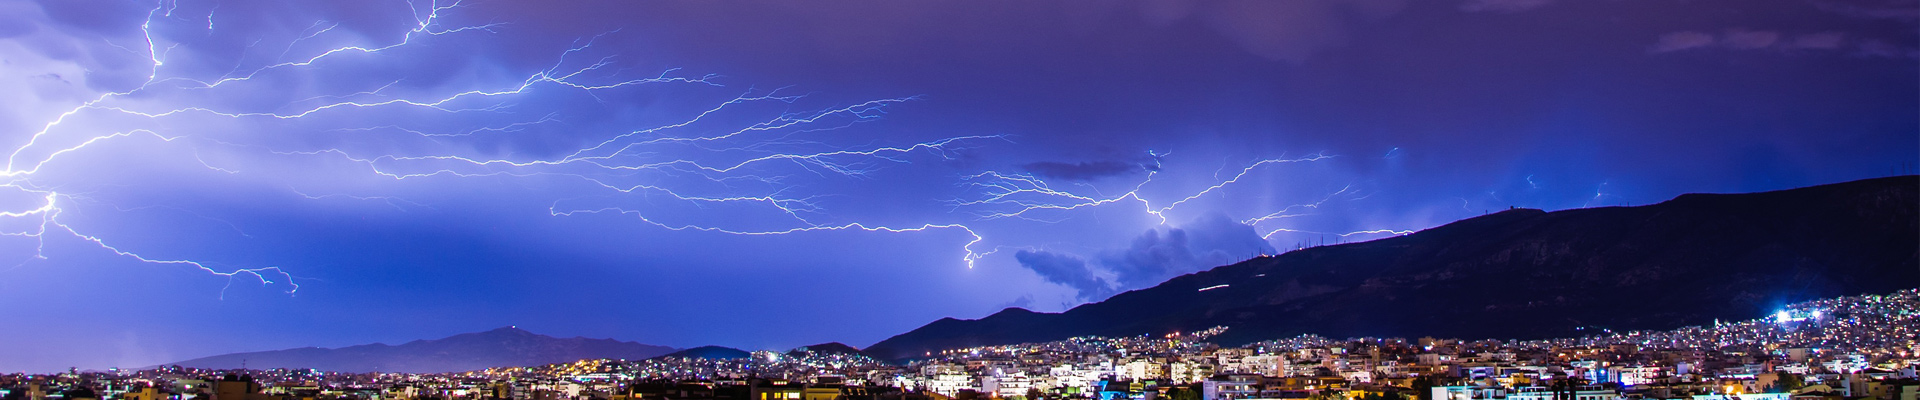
x=1072, y=375
x=1006, y=386
x=1581, y=393
x=1188, y=372
x=1634, y=376
x=1469, y=393
x=1230, y=387
x=948, y=384
x=1143, y=369
x=1267, y=365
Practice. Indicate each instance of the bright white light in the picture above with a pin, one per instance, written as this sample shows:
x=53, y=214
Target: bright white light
x=1782, y=316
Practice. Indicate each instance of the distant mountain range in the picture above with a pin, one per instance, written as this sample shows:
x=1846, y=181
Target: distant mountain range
x=729, y=353
x=1519, y=273
x=711, y=353
x=504, y=347
x=828, y=348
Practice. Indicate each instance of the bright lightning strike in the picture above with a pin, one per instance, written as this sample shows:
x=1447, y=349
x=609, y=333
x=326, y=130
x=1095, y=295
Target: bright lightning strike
x=728, y=167
x=1022, y=194
x=1025, y=196
x=751, y=151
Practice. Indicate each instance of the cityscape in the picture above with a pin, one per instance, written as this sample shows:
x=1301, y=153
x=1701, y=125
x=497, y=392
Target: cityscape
x=1855, y=347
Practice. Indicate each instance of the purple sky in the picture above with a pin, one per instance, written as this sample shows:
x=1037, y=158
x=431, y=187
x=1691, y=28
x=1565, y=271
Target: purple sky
x=188, y=178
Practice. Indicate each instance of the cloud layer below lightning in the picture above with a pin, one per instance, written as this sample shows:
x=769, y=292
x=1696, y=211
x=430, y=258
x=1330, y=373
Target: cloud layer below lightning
x=282, y=174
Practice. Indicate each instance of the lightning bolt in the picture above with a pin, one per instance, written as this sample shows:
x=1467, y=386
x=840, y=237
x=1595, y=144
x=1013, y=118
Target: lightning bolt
x=1599, y=193
x=1004, y=195
x=1019, y=194
x=669, y=172
x=631, y=162
x=24, y=165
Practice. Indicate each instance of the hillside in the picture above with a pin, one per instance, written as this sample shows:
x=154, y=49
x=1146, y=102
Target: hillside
x=711, y=353
x=1520, y=274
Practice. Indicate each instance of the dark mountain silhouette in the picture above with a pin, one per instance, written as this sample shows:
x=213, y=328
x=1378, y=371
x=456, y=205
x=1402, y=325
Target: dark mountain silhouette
x=504, y=347
x=829, y=348
x=711, y=352
x=1520, y=273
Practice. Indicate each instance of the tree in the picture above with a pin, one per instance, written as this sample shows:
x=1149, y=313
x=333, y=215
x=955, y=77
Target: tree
x=1787, y=382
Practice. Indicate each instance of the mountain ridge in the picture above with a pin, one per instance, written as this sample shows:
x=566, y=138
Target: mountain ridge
x=710, y=352
x=502, y=347
x=828, y=348
x=1683, y=261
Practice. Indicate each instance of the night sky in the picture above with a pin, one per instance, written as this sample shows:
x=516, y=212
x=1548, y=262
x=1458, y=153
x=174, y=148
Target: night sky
x=188, y=178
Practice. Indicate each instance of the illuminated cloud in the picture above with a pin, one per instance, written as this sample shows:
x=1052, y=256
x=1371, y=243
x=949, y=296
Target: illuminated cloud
x=1683, y=40
x=1830, y=42
x=1741, y=39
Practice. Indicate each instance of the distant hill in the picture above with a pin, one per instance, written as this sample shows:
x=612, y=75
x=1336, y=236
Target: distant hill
x=829, y=347
x=711, y=352
x=1519, y=274
x=504, y=347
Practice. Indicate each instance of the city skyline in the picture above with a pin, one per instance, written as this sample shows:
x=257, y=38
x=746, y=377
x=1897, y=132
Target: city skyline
x=1854, y=347
x=188, y=178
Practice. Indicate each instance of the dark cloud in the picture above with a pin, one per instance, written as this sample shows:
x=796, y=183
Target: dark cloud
x=1066, y=270
x=1157, y=254
x=1083, y=171
x=1216, y=240
x=1024, y=301
x=1153, y=256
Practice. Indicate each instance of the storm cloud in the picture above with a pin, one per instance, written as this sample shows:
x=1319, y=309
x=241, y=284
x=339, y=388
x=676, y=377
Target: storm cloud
x=1159, y=254
x=1083, y=171
x=341, y=164
x=1066, y=270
